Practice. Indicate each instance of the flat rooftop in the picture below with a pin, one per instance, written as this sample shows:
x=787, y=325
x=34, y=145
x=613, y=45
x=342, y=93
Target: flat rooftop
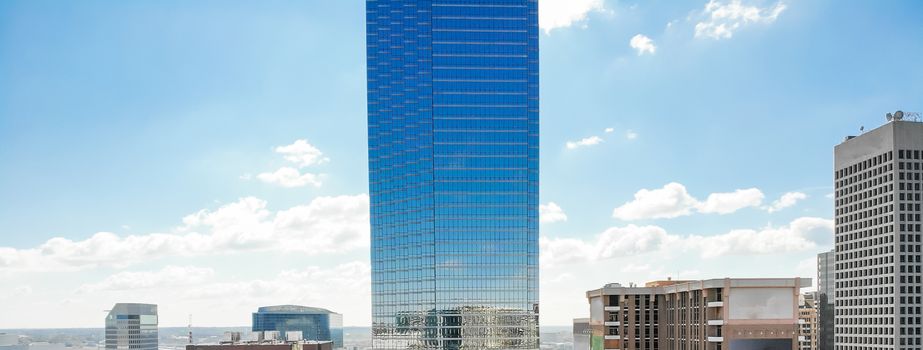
x=657, y=287
x=294, y=309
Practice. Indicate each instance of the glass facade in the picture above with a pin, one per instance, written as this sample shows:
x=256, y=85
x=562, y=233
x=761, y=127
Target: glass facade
x=313, y=323
x=825, y=303
x=453, y=173
x=132, y=326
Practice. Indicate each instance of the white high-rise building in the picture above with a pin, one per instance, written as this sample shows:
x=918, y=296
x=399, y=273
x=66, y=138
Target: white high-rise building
x=878, y=238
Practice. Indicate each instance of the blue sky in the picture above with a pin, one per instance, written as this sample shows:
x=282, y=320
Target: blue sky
x=163, y=124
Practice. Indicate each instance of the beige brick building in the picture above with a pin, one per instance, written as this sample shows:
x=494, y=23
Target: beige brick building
x=716, y=314
x=808, y=323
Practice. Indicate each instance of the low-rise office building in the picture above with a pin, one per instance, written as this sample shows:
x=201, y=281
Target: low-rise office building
x=716, y=314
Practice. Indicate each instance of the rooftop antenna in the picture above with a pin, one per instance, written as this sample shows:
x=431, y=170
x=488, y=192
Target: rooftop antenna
x=889, y=117
x=861, y=129
x=899, y=115
x=913, y=115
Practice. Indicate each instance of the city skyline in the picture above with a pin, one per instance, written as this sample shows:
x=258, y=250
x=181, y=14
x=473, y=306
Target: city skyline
x=212, y=159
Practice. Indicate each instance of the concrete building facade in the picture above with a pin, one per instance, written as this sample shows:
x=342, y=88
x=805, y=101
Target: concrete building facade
x=714, y=314
x=878, y=238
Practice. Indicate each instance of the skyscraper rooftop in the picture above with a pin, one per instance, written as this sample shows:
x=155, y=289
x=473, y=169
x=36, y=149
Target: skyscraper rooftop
x=294, y=309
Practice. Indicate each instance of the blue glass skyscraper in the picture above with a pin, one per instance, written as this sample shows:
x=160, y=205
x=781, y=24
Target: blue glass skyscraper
x=313, y=323
x=453, y=173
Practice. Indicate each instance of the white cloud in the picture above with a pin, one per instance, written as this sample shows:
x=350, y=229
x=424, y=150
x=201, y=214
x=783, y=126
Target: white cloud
x=354, y=275
x=22, y=290
x=634, y=268
x=553, y=14
x=802, y=234
x=344, y=288
x=723, y=19
x=595, y=140
x=614, y=242
x=668, y=202
x=550, y=213
x=672, y=200
x=726, y=203
x=169, y=276
x=564, y=277
x=302, y=154
x=787, y=200
x=588, y=141
x=643, y=44
x=290, y=177
x=564, y=250
x=223, y=297
x=325, y=225
x=11, y=292
x=629, y=240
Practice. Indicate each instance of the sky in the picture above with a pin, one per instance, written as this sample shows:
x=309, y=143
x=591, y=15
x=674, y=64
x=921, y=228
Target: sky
x=210, y=156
